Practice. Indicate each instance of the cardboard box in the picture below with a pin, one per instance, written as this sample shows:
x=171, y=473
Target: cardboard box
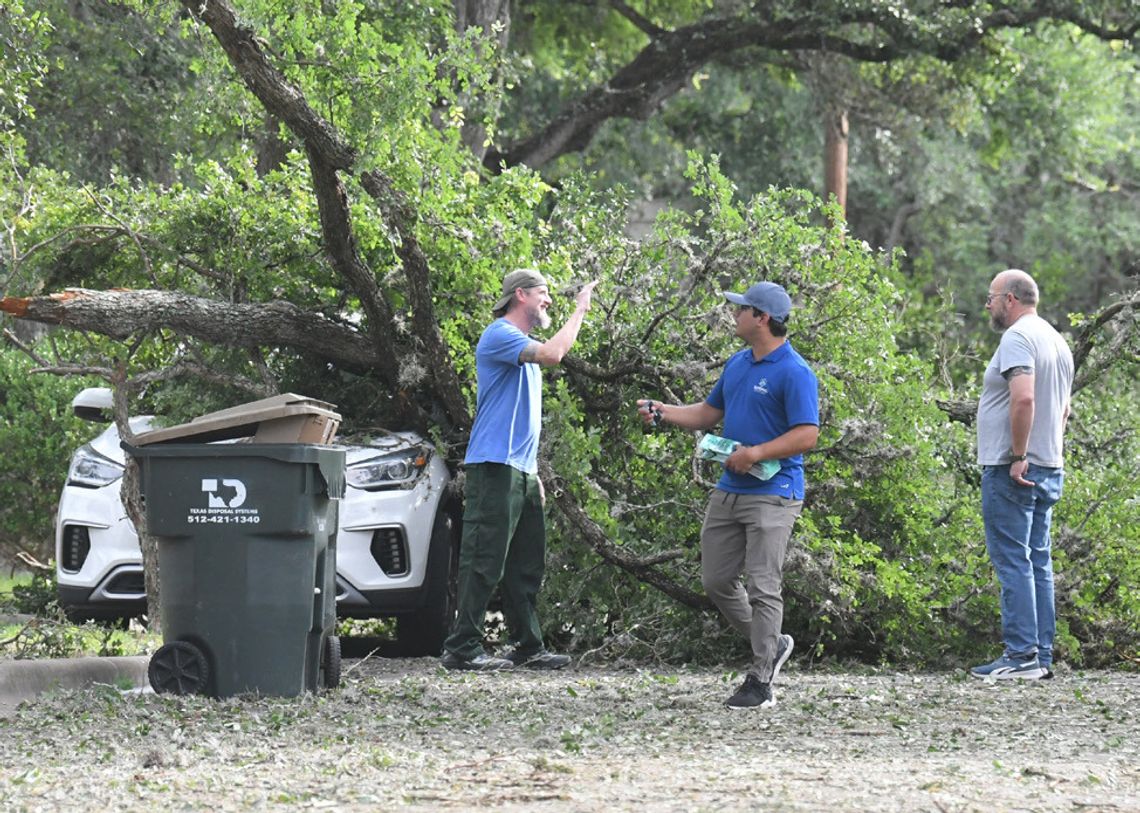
x=297, y=429
x=287, y=418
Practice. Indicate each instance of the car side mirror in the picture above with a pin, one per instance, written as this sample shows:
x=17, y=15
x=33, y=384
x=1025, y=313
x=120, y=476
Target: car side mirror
x=93, y=404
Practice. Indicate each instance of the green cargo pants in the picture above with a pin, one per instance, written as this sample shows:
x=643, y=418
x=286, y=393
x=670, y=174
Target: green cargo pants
x=504, y=541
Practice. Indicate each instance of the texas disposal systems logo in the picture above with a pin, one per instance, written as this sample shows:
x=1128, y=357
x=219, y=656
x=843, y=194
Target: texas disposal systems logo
x=225, y=498
x=230, y=494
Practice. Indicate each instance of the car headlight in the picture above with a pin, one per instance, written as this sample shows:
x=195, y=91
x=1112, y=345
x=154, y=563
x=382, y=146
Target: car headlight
x=91, y=470
x=397, y=470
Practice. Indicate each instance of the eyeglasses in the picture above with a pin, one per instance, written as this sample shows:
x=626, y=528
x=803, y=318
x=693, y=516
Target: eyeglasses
x=990, y=297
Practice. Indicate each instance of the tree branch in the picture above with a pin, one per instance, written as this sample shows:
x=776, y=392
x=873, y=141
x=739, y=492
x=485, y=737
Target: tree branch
x=340, y=242
x=329, y=154
x=120, y=314
x=1087, y=338
x=638, y=20
x=873, y=34
x=644, y=570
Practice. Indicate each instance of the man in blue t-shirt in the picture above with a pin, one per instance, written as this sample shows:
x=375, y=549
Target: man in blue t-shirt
x=768, y=398
x=504, y=529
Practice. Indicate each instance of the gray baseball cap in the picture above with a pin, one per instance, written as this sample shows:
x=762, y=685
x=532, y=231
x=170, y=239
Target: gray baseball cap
x=519, y=278
x=765, y=296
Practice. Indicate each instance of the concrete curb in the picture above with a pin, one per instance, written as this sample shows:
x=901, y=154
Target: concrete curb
x=27, y=679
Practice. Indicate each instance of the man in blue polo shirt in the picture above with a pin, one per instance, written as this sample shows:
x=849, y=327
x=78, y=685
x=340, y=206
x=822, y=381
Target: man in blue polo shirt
x=768, y=399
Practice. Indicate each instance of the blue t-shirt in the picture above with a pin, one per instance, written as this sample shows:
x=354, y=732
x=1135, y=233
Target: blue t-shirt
x=762, y=400
x=508, y=407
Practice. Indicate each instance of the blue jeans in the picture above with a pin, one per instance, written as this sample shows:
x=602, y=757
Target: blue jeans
x=1017, y=538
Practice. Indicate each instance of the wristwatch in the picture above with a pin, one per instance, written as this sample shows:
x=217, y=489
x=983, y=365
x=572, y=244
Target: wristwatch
x=1017, y=458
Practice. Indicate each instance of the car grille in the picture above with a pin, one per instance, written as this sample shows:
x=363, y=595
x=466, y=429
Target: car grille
x=390, y=551
x=76, y=545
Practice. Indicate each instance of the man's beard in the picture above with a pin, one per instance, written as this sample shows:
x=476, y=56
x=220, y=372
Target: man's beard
x=997, y=322
x=543, y=319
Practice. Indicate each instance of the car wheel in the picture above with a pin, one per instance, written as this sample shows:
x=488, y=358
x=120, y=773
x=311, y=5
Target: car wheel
x=179, y=668
x=330, y=662
x=422, y=633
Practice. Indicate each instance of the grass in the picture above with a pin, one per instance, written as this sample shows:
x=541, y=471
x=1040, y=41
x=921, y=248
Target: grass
x=57, y=638
x=37, y=628
x=10, y=581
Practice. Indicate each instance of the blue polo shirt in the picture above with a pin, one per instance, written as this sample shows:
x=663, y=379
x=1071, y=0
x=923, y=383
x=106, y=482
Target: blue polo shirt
x=508, y=407
x=762, y=400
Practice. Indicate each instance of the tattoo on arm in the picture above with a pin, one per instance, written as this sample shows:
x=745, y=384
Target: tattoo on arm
x=1013, y=372
x=529, y=353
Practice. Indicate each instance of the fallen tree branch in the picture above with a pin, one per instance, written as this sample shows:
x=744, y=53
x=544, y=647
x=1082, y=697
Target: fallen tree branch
x=122, y=313
x=643, y=570
x=328, y=153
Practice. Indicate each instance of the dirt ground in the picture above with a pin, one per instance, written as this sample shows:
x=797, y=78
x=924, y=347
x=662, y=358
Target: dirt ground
x=405, y=735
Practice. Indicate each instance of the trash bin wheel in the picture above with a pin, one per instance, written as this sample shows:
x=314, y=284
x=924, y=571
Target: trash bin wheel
x=330, y=662
x=178, y=668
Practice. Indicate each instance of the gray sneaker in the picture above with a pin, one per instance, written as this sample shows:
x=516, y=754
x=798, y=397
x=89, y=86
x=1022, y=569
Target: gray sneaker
x=784, y=644
x=480, y=663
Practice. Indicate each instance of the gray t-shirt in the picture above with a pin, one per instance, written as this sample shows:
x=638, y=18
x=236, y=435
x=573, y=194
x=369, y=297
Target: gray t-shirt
x=1030, y=342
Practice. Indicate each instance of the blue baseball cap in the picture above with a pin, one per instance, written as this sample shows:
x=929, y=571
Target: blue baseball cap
x=765, y=296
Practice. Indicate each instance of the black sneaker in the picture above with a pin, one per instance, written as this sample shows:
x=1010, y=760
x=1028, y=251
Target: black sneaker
x=480, y=663
x=784, y=644
x=752, y=694
x=539, y=660
x=1048, y=674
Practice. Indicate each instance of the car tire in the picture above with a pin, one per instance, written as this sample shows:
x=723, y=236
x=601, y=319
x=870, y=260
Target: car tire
x=422, y=633
x=111, y=622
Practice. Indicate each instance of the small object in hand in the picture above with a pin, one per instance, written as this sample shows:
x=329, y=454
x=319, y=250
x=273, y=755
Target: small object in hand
x=654, y=413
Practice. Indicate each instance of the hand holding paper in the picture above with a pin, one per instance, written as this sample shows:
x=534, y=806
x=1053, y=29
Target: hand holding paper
x=714, y=447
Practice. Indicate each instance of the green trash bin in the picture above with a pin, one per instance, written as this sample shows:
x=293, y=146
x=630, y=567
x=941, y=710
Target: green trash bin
x=246, y=537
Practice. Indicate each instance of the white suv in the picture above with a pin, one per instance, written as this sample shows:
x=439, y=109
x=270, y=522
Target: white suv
x=397, y=541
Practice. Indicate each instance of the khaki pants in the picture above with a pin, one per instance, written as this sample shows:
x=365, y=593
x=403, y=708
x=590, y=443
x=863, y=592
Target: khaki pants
x=747, y=534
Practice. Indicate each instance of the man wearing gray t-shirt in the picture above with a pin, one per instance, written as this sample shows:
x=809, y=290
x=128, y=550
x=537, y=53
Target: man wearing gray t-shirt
x=1021, y=423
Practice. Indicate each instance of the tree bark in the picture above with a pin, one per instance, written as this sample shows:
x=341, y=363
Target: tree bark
x=835, y=158
x=123, y=313
x=130, y=494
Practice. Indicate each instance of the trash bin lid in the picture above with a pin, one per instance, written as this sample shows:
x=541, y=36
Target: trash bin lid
x=281, y=418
